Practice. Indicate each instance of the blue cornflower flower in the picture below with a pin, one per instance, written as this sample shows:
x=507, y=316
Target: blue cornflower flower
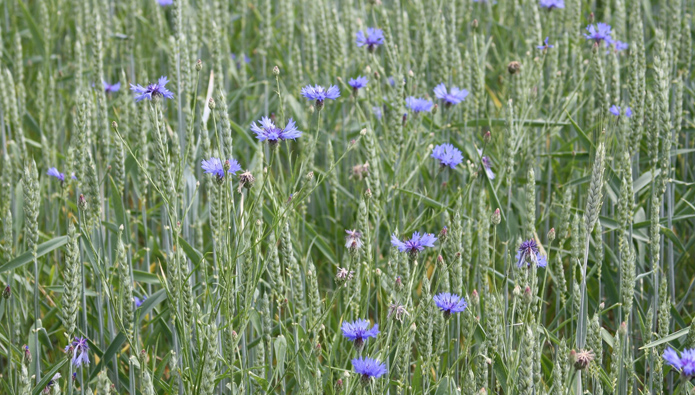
x=108, y=88
x=266, y=130
x=487, y=165
x=368, y=368
x=80, y=351
x=685, y=363
x=377, y=112
x=358, y=83
x=418, y=104
x=550, y=4
x=455, y=96
x=528, y=252
x=599, y=32
x=153, y=90
x=372, y=38
x=53, y=172
x=238, y=59
x=216, y=167
x=165, y=2
x=358, y=333
x=545, y=44
x=448, y=155
x=416, y=243
x=618, y=46
x=320, y=94
x=138, y=302
x=616, y=110
x=450, y=303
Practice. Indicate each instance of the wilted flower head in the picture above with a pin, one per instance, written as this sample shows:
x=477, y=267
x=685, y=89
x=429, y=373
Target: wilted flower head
x=513, y=67
x=53, y=172
x=353, y=240
x=267, y=131
x=397, y=311
x=216, y=167
x=108, y=88
x=448, y=155
x=358, y=332
x=418, y=104
x=550, y=4
x=545, y=44
x=371, y=39
x=616, y=110
x=599, y=32
x=343, y=276
x=320, y=94
x=246, y=180
x=582, y=359
x=368, y=368
x=685, y=363
x=152, y=90
x=358, y=83
x=528, y=252
x=80, y=351
x=360, y=171
x=452, y=96
x=138, y=301
x=416, y=243
x=450, y=303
